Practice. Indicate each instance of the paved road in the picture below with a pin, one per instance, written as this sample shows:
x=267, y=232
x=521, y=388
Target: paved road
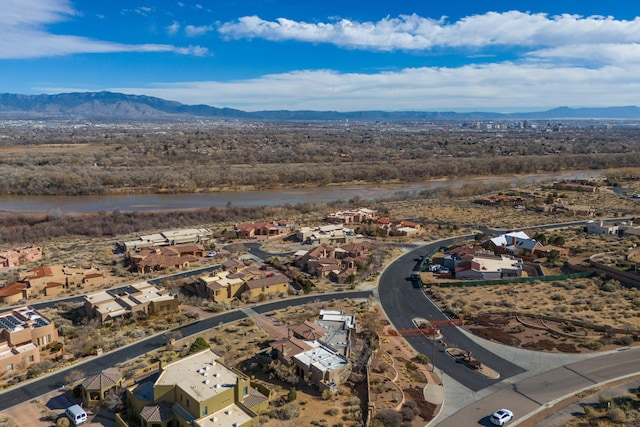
x=38, y=387
x=536, y=392
x=402, y=303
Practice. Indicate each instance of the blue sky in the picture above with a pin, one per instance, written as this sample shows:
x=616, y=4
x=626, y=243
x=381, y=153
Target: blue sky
x=346, y=55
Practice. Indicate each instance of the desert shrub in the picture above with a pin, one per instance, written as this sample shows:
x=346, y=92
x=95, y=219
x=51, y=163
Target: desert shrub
x=333, y=411
x=605, y=400
x=389, y=418
x=589, y=412
x=411, y=366
x=423, y=358
x=616, y=415
x=407, y=414
x=591, y=345
x=292, y=395
x=626, y=340
x=610, y=286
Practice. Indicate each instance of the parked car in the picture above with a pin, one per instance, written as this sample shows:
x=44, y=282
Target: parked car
x=501, y=417
x=76, y=415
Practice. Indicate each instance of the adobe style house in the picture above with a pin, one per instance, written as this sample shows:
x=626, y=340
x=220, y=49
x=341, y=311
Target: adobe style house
x=51, y=279
x=198, y=390
x=328, y=234
x=161, y=258
x=339, y=264
x=142, y=298
x=601, y=228
x=583, y=186
x=319, y=351
x=96, y=386
x=186, y=236
x=489, y=267
x=15, y=292
x=23, y=332
x=351, y=217
x=398, y=227
x=271, y=285
x=225, y=286
x=22, y=256
x=263, y=230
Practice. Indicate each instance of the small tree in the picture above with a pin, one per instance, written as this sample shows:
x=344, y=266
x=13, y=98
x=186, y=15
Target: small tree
x=63, y=422
x=293, y=395
x=198, y=345
x=74, y=376
x=113, y=399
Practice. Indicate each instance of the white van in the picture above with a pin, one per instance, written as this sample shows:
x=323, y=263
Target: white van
x=76, y=414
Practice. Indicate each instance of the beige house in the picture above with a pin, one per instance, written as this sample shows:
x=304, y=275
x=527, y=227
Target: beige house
x=161, y=258
x=23, y=332
x=262, y=230
x=39, y=278
x=143, y=298
x=22, y=256
x=15, y=292
x=198, y=390
x=185, y=236
x=271, y=285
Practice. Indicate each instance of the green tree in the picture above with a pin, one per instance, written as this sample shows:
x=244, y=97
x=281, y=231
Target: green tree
x=198, y=345
x=292, y=395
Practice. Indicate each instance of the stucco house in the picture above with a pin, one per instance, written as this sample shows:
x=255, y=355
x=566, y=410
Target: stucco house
x=198, y=390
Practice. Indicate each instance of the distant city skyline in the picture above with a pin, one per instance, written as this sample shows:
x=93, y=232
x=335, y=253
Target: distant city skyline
x=345, y=56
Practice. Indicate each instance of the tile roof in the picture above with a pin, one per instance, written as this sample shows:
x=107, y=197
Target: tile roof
x=101, y=381
x=157, y=413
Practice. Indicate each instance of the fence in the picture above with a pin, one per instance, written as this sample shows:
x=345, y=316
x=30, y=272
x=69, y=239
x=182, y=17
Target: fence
x=460, y=284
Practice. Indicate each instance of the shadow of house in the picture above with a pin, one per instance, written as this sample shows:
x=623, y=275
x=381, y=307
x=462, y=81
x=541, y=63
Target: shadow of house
x=95, y=387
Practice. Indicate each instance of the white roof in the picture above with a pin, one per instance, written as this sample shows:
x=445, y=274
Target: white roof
x=322, y=358
x=501, y=240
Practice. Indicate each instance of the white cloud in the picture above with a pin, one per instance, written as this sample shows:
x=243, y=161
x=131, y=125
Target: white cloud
x=193, y=31
x=494, y=87
x=173, y=29
x=23, y=33
x=413, y=32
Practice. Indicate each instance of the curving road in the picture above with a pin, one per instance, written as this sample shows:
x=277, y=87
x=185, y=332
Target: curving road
x=532, y=383
x=402, y=303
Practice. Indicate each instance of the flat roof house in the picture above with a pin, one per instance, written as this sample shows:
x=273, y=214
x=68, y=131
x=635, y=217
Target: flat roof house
x=197, y=390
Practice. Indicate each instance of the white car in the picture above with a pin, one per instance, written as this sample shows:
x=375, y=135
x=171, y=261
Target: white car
x=501, y=417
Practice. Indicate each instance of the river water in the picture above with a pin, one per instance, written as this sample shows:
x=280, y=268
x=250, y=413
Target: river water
x=293, y=196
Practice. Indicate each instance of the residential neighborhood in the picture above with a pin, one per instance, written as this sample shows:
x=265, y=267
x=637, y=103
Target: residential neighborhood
x=187, y=274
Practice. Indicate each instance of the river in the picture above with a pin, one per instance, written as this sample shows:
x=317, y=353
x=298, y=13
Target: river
x=293, y=196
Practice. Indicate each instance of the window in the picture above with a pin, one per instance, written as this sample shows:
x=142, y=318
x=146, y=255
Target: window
x=31, y=359
x=205, y=411
x=10, y=367
x=245, y=391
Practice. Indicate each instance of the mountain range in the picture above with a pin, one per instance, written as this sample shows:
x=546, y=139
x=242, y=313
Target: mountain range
x=119, y=106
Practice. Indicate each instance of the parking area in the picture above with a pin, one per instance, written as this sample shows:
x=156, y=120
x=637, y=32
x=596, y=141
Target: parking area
x=43, y=411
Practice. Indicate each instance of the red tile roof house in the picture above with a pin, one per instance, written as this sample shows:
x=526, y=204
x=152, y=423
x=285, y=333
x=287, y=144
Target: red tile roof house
x=163, y=257
x=13, y=293
x=262, y=230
